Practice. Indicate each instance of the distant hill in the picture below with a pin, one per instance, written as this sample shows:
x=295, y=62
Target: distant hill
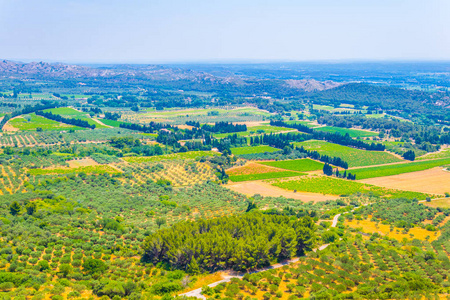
x=43, y=69
x=146, y=72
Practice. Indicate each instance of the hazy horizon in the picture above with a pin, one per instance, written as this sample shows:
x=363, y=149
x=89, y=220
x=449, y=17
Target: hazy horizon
x=251, y=31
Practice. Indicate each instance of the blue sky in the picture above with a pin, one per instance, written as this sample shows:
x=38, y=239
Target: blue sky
x=150, y=31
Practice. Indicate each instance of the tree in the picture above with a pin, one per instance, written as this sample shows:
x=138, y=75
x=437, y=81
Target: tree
x=43, y=265
x=160, y=222
x=65, y=269
x=92, y=266
x=6, y=286
x=409, y=155
x=193, y=267
x=15, y=208
x=251, y=205
x=327, y=169
x=112, y=289
x=31, y=208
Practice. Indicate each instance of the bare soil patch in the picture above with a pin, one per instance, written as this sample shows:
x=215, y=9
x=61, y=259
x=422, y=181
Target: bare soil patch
x=185, y=127
x=433, y=181
x=251, y=188
x=9, y=127
x=85, y=162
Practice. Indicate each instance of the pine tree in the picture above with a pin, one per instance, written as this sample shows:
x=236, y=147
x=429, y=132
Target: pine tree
x=193, y=267
x=15, y=208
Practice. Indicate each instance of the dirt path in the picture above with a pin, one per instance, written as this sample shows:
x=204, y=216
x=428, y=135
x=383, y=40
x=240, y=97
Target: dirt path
x=100, y=123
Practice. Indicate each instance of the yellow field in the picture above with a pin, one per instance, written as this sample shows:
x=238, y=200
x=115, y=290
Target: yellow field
x=414, y=233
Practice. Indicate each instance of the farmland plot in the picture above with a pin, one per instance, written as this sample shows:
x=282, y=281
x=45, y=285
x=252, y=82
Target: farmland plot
x=178, y=172
x=352, y=132
x=433, y=181
x=300, y=165
x=32, y=122
x=252, y=150
x=175, y=156
x=335, y=186
x=254, y=171
x=395, y=169
x=354, y=157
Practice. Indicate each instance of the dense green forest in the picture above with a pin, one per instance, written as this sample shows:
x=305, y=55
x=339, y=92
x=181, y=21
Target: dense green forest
x=241, y=242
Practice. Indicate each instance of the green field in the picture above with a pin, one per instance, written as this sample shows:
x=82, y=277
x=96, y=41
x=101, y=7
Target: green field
x=306, y=123
x=435, y=155
x=344, y=131
x=73, y=113
x=111, y=122
x=181, y=155
x=252, y=150
x=66, y=111
x=336, y=186
x=98, y=169
x=396, y=169
x=322, y=107
x=375, y=116
x=354, y=157
x=31, y=122
x=255, y=130
x=269, y=175
x=299, y=165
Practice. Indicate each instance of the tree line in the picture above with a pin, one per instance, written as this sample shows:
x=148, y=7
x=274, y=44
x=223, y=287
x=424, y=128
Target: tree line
x=150, y=128
x=329, y=171
x=224, y=127
x=28, y=109
x=335, y=137
x=337, y=161
x=70, y=121
x=112, y=116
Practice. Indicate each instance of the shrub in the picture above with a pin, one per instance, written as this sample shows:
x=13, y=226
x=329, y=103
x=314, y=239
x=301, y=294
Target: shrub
x=166, y=287
x=92, y=266
x=43, y=265
x=6, y=286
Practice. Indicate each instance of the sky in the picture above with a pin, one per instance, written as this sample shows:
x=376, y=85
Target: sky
x=164, y=31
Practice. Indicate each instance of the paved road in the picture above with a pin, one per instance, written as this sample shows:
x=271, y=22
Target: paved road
x=197, y=292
